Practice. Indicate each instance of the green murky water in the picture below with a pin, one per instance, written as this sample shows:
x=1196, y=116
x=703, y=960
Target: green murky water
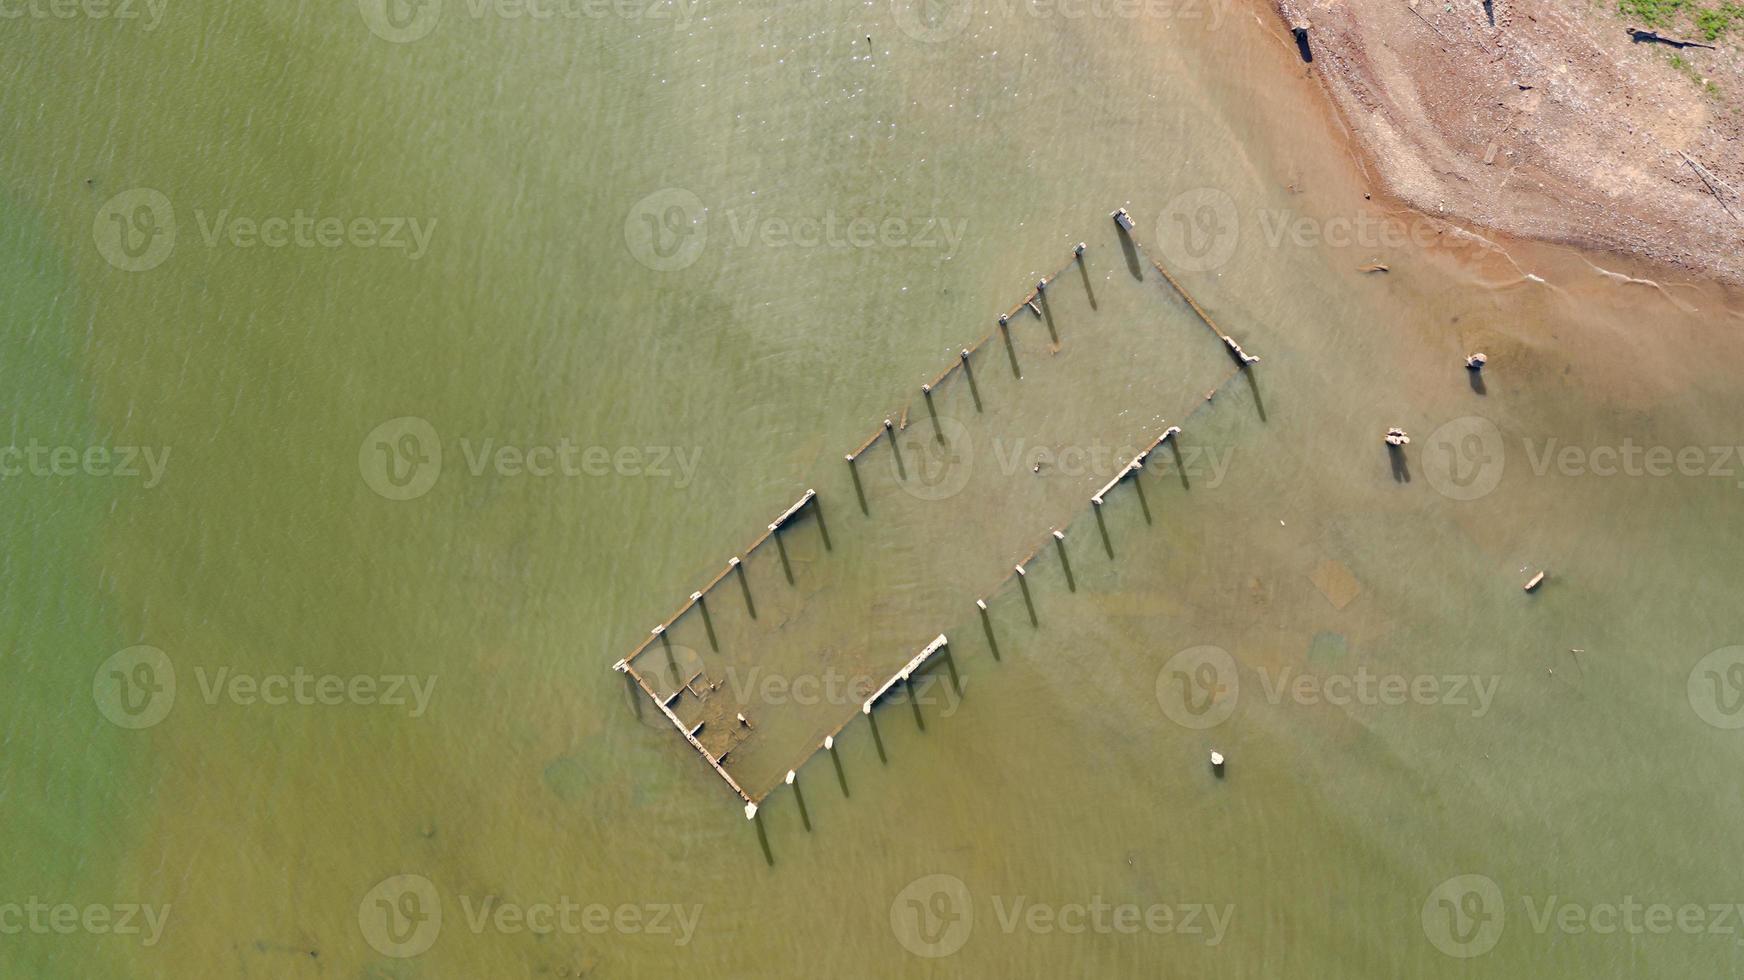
x=643, y=280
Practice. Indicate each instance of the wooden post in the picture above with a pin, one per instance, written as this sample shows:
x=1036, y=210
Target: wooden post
x=1065, y=563
x=969, y=372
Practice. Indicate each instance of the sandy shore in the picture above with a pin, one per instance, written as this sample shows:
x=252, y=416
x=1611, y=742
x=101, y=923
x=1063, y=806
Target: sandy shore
x=1551, y=124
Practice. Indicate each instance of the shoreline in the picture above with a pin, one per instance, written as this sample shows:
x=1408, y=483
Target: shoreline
x=1548, y=127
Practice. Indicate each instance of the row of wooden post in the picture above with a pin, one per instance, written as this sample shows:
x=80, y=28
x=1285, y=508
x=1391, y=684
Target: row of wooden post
x=906, y=674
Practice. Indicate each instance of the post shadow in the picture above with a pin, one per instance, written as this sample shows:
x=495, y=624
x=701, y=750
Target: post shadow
x=1028, y=601
x=938, y=432
x=914, y=702
x=951, y=665
x=635, y=694
x=1477, y=381
x=841, y=774
x=1084, y=273
x=745, y=586
x=781, y=546
x=1254, y=383
x=987, y=627
x=877, y=739
x=762, y=835
x=708, y=621
x=671, y=661
x=1180, y=467
x=969, y=372
x=1401, y=468
x=799, y=797
x=817, y=509
x=1131, y=249
x=859, y=490
x=1010, y=349
x=1047, y=311
x=1065, y=562
x=1143, y=504
x=895, y=447
x=1102, y=525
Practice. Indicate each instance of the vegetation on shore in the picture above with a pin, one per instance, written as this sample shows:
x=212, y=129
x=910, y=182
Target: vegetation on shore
x=1711, y=20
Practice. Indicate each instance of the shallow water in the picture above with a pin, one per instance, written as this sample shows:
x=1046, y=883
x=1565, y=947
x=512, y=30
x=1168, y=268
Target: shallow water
x=611, y=208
